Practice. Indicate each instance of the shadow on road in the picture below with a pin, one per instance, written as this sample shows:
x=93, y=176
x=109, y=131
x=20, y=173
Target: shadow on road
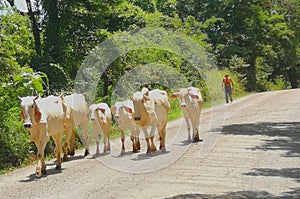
x=293, y=194
x=293, y=173
x=51, y=171
x=283, y=136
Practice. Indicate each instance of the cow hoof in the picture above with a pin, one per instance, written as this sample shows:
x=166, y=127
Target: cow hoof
x=153, y=149
x=65, y=158
x=196, y=138
x=163, y=149
x=58, y=167
x=134, y=150
x=38, y=172
x=44, y=172
x=72, y=153
x=86, y=153
x=122, y=151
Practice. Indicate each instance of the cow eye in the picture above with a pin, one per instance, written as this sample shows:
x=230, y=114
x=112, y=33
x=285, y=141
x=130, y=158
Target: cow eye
x=32, y=106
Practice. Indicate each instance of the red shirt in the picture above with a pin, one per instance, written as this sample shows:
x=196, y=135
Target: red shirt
x=227, y=81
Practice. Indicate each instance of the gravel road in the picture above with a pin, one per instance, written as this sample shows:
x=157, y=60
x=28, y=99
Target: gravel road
x=250, y=149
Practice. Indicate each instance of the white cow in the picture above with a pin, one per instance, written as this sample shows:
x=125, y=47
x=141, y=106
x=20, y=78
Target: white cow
x=44, y=117
x=190, y=102
x=151, y=109
x=76, y=115
x=124, y=113
x=100, y=115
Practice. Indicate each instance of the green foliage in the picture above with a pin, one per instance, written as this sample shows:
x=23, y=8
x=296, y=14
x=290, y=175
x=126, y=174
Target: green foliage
x=16, y=38
x=167, y=7
x=14, y=141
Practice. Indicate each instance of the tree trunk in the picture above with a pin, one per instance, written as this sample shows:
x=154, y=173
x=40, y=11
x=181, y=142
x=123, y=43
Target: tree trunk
x=35, y=30
x=251, y=75
x=52, y=31
x=293, y=79
x=106, y=84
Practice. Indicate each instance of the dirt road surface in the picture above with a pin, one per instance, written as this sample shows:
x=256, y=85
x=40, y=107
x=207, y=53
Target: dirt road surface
x=250, y=149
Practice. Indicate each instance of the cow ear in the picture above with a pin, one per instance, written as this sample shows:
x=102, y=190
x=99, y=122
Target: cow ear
x=145, y=91
x=194, y=96
x=102, y=110
x=175, y=95
x=129, y=110
x=22, y=115
x=19, y=98
x=113, y=110
x=37, y=114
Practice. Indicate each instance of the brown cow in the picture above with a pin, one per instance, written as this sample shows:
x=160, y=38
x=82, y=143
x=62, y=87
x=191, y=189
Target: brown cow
x=190, y=103
x=151, y=109
x=44, y=117
x=76, y=116
x=124, y=113
x=100, y=115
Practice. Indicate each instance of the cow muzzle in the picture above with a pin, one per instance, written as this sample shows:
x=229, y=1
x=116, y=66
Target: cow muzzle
x=137, y=118
x=183, y=105
x=27, y=126
x=92, y=119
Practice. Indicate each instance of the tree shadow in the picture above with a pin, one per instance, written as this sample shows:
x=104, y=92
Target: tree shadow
x=295, y=193
x=283, y=136
x=293, y=173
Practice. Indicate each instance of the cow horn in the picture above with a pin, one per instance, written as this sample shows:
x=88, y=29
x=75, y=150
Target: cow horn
x=19, y=98
x=61, y=96
x=38, y=96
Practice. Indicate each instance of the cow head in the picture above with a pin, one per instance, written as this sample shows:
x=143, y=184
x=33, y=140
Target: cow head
x=30, y=111
x=141, y=101
x=122, y=108
x=185, y=95
x=96, y=112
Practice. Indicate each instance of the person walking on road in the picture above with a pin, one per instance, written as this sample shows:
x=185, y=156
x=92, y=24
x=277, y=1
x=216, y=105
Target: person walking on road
x=227, y=87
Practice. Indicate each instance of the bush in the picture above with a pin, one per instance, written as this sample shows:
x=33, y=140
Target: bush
x=14, y=140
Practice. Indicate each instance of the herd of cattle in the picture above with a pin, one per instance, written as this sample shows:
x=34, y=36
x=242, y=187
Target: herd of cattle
x=55, y=115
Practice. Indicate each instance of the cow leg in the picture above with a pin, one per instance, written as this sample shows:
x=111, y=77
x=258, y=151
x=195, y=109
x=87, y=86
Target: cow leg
x=41, y=166
x=97, y=149
x=196, y=130
x=153, y=147
x=104, y=143
x=147, y=140
x=72, y=143
x=66, y=145
x=134, y=147
x=108, y=144
x=97, y=137
x=86, y=137
x=162, y=137
x=135, y=133
x=123, y=140
x=153, y=128
x=188, y=124
x=58, y=140
x=138, y=144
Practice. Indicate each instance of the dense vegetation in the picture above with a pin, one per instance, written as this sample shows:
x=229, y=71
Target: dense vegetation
x=41, y=51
